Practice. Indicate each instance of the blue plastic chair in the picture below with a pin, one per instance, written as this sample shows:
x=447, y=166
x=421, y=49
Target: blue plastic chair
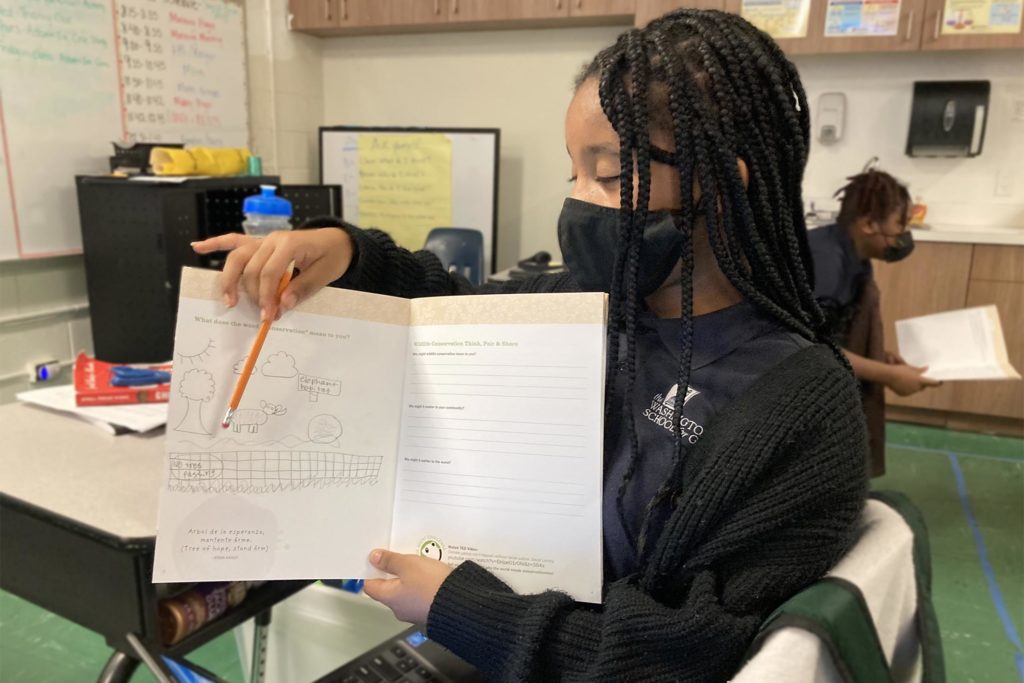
x=460, y=250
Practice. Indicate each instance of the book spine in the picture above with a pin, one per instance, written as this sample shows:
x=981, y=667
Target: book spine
x=114, y=397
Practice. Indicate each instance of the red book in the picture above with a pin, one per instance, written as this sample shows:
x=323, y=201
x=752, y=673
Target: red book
x=93, y=387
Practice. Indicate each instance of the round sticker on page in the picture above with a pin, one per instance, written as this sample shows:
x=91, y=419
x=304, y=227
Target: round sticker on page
x=432, y=548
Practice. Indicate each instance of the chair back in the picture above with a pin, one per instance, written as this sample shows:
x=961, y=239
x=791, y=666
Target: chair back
x=460, y=250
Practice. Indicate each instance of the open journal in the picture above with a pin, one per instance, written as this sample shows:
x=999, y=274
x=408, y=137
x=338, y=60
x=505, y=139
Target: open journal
x=458, y=428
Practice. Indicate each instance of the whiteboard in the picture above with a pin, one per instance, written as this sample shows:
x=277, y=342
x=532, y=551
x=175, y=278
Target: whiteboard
x=76, y=75
x=474, y=176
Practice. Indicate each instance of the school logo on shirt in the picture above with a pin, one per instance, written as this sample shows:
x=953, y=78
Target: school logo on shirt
x=662, y=411
x=670, y=396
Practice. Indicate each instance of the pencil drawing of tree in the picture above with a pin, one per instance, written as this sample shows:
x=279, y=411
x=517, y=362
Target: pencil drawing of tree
x=197, y=386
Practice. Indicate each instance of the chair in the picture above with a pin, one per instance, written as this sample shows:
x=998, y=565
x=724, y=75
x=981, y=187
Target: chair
x=460, y=250
x=870, y=620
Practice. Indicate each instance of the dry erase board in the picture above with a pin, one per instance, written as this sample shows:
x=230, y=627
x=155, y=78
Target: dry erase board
x=407, y=181
x=76, y=75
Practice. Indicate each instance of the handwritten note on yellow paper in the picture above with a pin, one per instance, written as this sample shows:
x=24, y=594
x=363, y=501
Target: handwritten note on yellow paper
x=405, y=184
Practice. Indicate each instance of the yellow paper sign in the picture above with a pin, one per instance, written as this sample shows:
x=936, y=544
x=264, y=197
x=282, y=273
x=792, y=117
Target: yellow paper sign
x=966, y=17
x=405, y=184
x=778, y=18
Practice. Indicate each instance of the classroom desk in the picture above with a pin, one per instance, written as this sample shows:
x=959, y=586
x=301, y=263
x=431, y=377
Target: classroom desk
x=78, y=514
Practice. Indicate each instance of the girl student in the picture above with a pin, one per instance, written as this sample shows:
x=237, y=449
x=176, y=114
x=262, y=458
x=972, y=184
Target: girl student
x=873, y=224
x=687, y=141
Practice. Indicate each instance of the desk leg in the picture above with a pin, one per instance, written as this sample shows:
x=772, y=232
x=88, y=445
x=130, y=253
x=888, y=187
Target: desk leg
x=259, y=646
x=119, y=668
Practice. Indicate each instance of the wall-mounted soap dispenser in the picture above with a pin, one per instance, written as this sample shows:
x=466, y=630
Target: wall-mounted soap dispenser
x=948, y=118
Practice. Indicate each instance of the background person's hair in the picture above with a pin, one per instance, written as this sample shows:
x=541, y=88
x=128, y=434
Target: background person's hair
x=875, y=195
x=723, y=90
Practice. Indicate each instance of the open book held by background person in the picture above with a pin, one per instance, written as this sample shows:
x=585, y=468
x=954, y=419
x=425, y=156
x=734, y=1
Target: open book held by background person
x=967, y=344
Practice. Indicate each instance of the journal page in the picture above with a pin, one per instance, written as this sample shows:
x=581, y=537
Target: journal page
x=500, y=459
x=300, y=485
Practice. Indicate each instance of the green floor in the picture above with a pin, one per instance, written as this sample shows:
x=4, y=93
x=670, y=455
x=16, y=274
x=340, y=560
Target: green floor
x=977, y=546
x=976, y=575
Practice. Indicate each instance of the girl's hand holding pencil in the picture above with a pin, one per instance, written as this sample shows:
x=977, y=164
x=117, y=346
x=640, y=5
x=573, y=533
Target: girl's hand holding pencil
x=258, y=264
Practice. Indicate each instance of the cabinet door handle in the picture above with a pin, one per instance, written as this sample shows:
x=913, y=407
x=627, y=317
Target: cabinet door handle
x=579, y=4
x=455, y=6
x=437, y=6
x=910, y=26
x=344, y=10
x=938, y=22
x=327, y=10
x=558, y=4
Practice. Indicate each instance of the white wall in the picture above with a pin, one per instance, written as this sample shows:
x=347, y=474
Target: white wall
x=285, y=92
x=518, y=81
x=879, y=91
x=42, y=317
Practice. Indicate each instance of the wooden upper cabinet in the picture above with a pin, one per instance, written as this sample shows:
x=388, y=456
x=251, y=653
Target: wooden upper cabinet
x=894, y=27
x=537, y=9
x=419, y=12
x=649, y=10
x=820, y=27
x=479, y=10
x=362, y=13
x=952, y=30
x=312, y=15
x=601, y=8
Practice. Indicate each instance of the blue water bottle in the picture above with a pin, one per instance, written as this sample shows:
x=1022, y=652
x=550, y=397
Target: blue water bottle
x=266, y=212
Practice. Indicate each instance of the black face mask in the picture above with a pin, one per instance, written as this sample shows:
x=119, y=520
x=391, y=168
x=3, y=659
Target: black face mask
x=901, y=250
x=588, y=233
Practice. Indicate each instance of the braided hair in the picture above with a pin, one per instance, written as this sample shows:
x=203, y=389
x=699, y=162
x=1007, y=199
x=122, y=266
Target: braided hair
x=723, y=90
x=875, y=195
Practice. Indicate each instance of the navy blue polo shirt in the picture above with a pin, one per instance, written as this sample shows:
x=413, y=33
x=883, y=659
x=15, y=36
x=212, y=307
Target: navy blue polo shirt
x=731, y=349
x=839, y=272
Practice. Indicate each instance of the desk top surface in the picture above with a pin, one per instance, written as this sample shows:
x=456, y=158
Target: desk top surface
x=73, y=469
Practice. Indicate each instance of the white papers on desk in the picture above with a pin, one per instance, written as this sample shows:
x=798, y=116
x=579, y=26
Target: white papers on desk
x=135, y=417
x=957, y=345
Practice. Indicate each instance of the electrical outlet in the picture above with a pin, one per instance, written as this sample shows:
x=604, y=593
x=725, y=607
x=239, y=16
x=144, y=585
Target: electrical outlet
x=1005, y=182
x=1017, y=110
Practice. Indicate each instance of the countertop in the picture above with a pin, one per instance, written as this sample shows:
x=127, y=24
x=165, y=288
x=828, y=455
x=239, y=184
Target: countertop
x=971, y=234
x=962, y=234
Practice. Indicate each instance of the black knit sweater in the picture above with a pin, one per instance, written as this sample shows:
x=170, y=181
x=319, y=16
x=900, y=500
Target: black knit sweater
x=772, y=496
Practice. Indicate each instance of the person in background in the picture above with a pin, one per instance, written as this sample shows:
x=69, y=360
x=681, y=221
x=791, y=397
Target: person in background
x=734, y=441
x=872, y=224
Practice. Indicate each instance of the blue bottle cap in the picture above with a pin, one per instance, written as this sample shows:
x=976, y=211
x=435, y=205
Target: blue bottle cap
x=267, y=203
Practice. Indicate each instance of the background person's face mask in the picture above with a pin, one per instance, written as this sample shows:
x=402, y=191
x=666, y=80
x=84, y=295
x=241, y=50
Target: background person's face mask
x=587, y=235
x=900, y=248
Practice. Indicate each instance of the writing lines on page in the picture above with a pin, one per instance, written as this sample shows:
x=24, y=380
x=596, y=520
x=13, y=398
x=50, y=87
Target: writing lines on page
x=498, y=459
x=494, y=380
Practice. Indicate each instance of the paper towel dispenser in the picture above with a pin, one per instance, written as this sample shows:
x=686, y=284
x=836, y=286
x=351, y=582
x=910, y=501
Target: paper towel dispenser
x=947, y=118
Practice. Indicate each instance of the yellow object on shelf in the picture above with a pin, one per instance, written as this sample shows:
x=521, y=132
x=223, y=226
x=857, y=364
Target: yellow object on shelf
x=206, y=161
x=918, y=211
